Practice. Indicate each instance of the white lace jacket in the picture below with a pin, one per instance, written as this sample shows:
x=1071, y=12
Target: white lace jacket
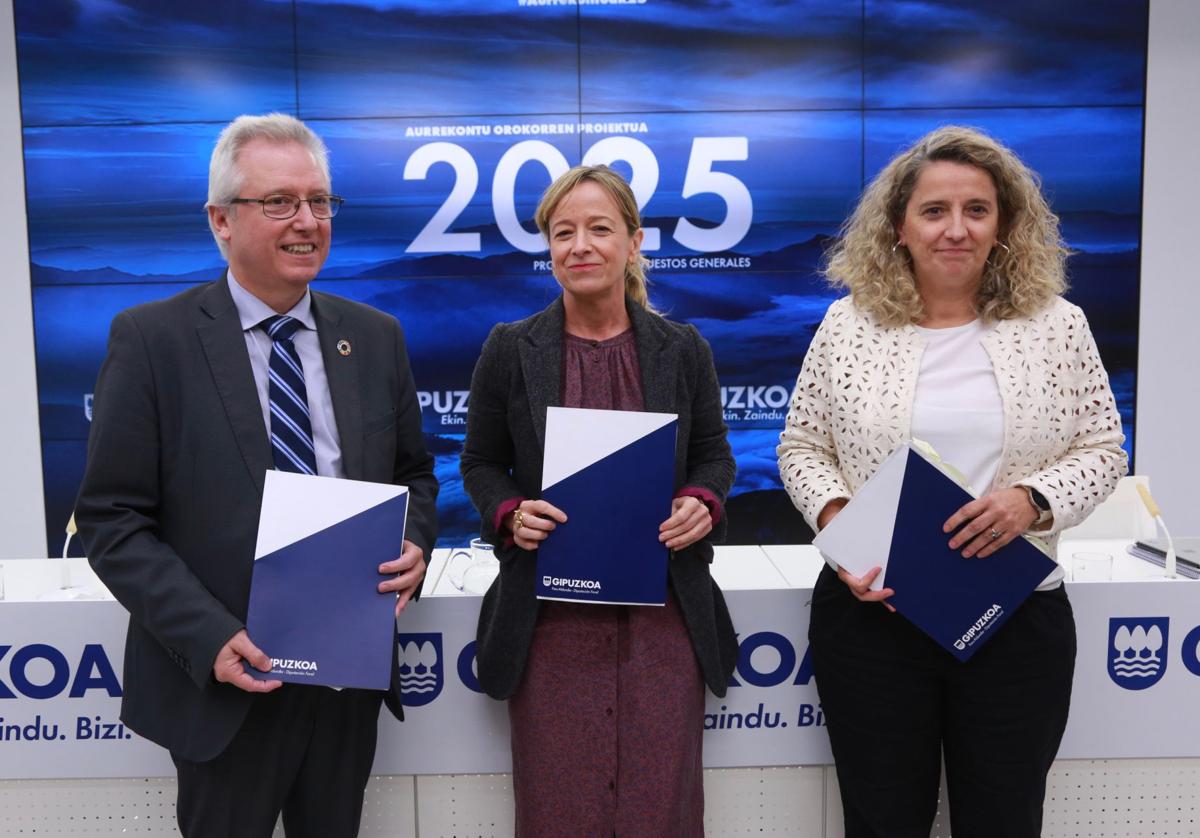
x=853, y=405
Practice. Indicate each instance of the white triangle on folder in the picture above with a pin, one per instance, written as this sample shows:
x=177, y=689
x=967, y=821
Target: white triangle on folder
x=859, y=537
x=296, y=506
x=577, y=437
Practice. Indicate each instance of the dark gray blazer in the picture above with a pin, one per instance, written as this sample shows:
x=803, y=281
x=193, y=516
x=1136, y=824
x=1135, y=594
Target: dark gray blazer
x=519, y=375
x=168, y=508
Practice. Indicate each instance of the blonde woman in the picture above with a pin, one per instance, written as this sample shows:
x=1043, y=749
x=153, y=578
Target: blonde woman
x=955, y=332
x=606, y=702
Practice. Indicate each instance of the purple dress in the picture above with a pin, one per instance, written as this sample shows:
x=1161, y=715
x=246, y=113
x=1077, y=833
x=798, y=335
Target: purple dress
x=608, y=720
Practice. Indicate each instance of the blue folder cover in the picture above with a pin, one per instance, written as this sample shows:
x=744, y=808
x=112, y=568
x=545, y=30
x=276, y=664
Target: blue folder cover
x=894, y=521
x=960, y=603
x=608, y=551
x=314, y=607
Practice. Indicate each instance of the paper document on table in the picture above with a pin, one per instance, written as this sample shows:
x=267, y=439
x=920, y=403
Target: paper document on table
x=314, y=604
x=895, y=522
x=612, y=472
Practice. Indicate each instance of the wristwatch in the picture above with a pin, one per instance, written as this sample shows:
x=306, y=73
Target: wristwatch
x=1040, y=504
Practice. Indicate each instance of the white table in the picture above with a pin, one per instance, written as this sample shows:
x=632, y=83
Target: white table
x=462, y=733
x=745, y=568
x=49, y=580
x=1126, y=568
x=800, y=563
x=48, y=629
x=736, y=568
x=59, y=580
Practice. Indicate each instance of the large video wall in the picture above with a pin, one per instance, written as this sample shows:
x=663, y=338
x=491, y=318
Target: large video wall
x=747, y=129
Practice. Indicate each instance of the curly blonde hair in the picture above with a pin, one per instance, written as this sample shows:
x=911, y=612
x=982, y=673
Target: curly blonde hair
x=636, y=284
x=1019, y=279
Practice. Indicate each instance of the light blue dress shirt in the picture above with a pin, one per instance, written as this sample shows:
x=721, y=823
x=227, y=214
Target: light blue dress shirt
x=252, y=311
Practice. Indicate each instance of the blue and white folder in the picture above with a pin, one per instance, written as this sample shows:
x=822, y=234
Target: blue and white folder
x=895, y=522
x=314, y=604
x=612, y=472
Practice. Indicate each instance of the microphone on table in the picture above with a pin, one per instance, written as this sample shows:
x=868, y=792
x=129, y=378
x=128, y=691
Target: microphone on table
x=71, y=530
x=1156, y=514
x=66, y=568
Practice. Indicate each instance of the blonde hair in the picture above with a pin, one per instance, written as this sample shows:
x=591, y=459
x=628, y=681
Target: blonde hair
x=636, y=284
x=1019, y=279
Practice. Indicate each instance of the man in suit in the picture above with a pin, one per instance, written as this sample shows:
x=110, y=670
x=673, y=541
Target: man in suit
x=191, y=410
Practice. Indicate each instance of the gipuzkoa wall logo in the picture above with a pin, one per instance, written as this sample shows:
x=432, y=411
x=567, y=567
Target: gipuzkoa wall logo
x=421, y=676
x=1137, y=651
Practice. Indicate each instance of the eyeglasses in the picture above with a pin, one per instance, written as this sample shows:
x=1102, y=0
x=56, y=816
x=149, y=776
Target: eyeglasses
x=286, y=206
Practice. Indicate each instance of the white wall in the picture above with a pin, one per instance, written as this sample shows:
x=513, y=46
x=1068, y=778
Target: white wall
x=1168, y=406
x=22, y=517
x=1168, y=397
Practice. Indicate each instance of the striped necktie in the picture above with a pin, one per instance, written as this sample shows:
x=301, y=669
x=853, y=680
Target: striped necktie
x=291, y=427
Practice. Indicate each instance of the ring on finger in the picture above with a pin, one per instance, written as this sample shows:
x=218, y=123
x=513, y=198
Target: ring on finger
x=995, y=533
x=518, y=520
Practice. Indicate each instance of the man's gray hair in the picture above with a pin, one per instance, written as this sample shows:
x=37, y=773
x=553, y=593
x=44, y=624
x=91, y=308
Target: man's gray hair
x=224, y=177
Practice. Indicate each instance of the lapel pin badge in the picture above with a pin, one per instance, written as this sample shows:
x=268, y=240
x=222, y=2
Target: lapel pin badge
x=343, y=347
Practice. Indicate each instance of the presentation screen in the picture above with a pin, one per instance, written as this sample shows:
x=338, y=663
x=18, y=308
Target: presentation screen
x=747, y=131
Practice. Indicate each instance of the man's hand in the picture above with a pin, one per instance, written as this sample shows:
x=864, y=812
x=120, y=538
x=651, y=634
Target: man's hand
x=406, y=572
x=228, y=669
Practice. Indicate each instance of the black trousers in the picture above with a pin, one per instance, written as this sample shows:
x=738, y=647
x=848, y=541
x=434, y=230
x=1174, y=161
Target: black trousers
x=895, y=702
x=303, y=751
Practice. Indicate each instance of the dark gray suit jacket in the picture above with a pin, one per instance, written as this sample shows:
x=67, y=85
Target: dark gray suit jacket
x=519, y=375
x=178, y=452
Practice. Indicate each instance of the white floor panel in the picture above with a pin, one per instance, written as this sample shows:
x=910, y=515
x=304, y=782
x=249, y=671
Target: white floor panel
x=389, y=808
x=1123, y=798
x=88, y=807
x=764, y=801
x=833, y=806
x=465, y=806
x=1084, y=799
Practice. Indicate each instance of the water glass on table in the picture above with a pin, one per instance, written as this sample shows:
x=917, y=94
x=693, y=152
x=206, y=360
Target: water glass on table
x=1091, y=567
x=473, y=569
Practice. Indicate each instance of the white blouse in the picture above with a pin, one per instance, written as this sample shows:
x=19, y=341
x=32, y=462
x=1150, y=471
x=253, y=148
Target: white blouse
x=957, y=407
